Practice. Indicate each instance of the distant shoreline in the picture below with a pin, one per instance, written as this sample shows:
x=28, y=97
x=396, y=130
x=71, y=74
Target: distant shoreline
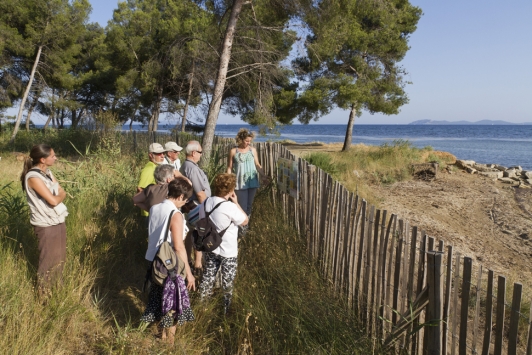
x=467, y=123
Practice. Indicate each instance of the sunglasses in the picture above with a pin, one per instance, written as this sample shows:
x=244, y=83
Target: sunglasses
x=197, y=151
x=158, y=153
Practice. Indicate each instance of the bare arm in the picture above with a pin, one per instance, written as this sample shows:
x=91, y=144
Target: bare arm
x=40, y=188
x=201, y=196
x=265, y=178
x=139, y=199
x=176, y=227
x=233, y=198
x=198, y=257
x=230, y=160
x=178, y=175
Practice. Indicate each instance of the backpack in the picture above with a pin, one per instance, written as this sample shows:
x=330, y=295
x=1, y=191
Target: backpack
x=166, y=263
x=205, y=236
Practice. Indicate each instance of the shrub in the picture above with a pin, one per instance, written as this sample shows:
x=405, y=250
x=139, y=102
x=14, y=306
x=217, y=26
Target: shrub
x=324, y=162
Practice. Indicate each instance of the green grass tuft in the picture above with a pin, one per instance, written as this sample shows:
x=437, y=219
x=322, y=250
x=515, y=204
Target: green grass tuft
x=324, y=162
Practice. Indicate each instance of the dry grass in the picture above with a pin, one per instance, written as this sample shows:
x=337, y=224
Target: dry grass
x=281, y=304
x=363, y=166
x=10, y=168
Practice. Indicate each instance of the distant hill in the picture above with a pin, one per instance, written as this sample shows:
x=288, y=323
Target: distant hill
x=482, y=122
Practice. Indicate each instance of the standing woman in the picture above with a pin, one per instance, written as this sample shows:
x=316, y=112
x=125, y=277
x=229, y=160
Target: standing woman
x=226, y=215
x=161, y=306
x=244, y=163
x=45, y=198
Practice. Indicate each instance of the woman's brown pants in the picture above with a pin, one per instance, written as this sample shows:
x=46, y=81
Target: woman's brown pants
x=52, y=254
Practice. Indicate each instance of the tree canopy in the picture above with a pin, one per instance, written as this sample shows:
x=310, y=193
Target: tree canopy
x=352, y=58
x=189, y=59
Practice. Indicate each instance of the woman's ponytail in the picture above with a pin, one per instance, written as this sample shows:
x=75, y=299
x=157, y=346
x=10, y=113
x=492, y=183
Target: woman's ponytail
x=37, y=152
x=28, y=164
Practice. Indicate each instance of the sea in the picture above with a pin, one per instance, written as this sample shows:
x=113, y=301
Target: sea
x=507, y=145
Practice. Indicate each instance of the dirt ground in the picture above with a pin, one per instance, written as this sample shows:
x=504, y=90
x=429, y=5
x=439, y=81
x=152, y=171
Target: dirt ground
x=486, y=220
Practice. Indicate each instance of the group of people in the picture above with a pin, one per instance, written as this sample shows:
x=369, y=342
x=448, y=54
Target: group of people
x=166, y=192
x=229, y=199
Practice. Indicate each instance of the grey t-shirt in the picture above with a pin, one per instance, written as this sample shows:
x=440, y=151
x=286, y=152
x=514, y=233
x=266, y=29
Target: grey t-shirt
x=199, y=179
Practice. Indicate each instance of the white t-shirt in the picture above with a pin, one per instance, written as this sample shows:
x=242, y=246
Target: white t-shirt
x=227, y=213
x=157, y=228
x=176, y=164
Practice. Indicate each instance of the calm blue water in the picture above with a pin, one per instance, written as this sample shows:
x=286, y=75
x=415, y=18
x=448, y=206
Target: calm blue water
x=505, y=145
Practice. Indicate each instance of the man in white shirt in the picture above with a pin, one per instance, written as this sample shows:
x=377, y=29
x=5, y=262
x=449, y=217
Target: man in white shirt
x=172, y=154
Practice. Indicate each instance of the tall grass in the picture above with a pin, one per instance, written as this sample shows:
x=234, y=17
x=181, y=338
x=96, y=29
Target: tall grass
x=363, y=166
x=281, y=305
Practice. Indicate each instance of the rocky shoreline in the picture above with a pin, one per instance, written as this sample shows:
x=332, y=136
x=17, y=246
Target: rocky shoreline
x=514, y=175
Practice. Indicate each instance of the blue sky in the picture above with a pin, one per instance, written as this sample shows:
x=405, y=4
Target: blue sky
x=469, y=60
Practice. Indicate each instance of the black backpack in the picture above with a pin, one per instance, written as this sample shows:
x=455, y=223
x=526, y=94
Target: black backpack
x=205, y=236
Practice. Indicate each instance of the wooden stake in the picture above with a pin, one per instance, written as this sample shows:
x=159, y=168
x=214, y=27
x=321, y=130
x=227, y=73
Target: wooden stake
x=434, y=312
x=489, y=315
x=501, y=304
x=514, y=319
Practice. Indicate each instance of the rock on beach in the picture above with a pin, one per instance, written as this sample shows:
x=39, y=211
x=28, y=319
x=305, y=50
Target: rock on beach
x=514, y=175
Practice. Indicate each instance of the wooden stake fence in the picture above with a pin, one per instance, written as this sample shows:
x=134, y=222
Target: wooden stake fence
x=408, y=290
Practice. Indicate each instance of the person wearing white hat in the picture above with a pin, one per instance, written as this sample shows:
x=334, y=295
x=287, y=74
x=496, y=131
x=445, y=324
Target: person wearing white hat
x=172, y=154
x=156, y=156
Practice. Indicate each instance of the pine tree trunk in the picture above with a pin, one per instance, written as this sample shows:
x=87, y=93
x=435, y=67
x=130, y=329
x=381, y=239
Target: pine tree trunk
x=55, y=119
x=216, y=103
x=25, y=97
x=30, y=111
x=48, y=121
x=349, y=131
x=61, y=120
x=75, y=118
x=156, y=111
x=150, y=122
x=189, y=95
x=156, y=118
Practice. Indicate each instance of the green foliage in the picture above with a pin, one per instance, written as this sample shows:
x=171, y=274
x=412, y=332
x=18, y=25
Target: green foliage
x=13, y=208
x=436, y=159
x=352, y=57
x=363, y=165
x=60, y=140
x=216, y=164
x=391, y=162
x=152, y=47
x=323, y=161
x=12, y=204
x=53, y=26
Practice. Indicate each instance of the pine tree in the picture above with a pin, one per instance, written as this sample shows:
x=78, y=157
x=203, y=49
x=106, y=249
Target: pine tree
x=353, y=55
x=47, y=28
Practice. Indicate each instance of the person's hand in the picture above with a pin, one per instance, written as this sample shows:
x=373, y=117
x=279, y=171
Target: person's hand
x=189, y=206
x=197, y=263
x=191, y=282
x=232, y=197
